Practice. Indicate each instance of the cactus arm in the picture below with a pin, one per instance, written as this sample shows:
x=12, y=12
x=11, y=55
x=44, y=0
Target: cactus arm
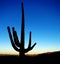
x=29, y=46
x=29, y=41
x=8, y=28
x=28, y=49
x=15, y=37
x=33, y=46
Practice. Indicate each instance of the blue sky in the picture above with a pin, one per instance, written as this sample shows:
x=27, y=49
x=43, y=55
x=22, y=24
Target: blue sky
x=42, y=17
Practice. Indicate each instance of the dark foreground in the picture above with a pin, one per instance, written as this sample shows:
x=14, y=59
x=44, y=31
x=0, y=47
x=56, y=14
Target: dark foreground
x=47, y=58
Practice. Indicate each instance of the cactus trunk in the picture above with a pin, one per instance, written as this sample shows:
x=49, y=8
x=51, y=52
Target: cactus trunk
x=22, y=33
x=21, y=54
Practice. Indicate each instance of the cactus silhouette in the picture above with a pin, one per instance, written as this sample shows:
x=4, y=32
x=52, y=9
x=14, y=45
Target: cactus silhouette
x=19, y=46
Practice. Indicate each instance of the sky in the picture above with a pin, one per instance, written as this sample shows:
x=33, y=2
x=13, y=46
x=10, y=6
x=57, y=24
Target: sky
x=42, y=18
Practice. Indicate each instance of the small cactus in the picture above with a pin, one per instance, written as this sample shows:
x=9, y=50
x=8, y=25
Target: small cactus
x=19, y=46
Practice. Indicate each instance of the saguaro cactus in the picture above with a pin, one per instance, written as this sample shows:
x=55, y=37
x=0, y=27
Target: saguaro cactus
x=19, y=46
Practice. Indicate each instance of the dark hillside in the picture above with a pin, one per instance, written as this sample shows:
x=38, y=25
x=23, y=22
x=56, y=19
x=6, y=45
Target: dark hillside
x=47, y=58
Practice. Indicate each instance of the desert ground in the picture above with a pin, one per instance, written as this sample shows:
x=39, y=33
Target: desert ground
x=45, y=58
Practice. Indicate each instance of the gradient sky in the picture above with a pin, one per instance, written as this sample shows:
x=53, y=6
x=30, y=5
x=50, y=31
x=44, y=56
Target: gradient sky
x=42, y=17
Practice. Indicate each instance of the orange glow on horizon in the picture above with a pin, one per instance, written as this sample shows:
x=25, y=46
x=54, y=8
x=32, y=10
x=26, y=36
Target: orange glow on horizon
x=32, y=52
